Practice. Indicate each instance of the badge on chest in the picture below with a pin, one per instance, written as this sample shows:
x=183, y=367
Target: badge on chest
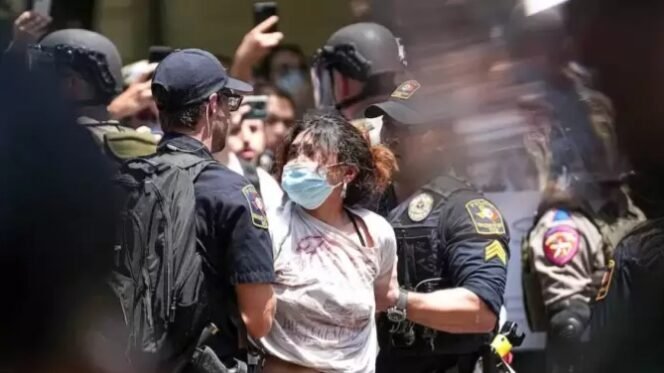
x=420, y=207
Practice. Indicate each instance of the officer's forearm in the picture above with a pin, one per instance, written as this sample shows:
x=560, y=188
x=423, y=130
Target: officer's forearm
x=456, y=310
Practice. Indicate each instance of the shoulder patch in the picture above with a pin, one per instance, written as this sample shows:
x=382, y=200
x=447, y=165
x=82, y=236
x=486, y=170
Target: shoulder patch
x=495, y=250
x=606, y=281
x=256, y=207
x=561, y=215
x=561, y=243
x=420, y=207
x=406, y=89
x=486, y=217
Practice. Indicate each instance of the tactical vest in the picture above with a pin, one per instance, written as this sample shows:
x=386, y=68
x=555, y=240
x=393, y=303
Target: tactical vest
x=420, y=269
x=612, y=233
x=119, y=142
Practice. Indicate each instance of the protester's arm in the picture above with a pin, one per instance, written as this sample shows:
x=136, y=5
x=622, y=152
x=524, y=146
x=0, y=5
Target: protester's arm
x=386, y=286
x=136, y=98
x=257, y=307
x=254, y=46
x=28, y=28
x=476, y=265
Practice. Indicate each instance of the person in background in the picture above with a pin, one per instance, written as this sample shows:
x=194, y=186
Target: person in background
x=287, y=68
x=280, y=118
x=622, y=42
x=355, y=68
x=255, y=45
x=282, y=60
x=58, y=213
x=453, y=243
x=88, y=68
x=335, y=261
x=195, y=97
x=27, y=29
x=135, y=106
x=264, y=183
x=585, y=208
x=246, y=138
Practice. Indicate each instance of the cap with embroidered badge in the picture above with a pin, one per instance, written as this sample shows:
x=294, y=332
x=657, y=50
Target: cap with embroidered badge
x=411, y=104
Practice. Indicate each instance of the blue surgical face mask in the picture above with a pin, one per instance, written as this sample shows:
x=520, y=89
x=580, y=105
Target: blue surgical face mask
x=306, y=184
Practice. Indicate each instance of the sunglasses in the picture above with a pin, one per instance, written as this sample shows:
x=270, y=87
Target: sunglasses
x=233, y=100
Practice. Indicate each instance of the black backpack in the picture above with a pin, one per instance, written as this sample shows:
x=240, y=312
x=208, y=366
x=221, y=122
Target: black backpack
x=158, y=275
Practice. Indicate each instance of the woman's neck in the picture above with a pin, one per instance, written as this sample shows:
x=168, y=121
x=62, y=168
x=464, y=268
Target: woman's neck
x=331, y=213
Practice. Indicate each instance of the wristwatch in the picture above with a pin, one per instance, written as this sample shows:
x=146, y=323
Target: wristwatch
x=397, y=313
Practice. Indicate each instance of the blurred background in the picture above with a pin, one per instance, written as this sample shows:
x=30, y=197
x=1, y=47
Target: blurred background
x=135, y=25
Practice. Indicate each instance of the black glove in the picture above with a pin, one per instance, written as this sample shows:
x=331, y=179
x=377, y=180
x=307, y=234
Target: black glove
x=569, y=320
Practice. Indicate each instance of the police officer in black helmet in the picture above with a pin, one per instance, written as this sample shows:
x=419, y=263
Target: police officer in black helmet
x=88, y=66
x=356, y=68
x=452, y=243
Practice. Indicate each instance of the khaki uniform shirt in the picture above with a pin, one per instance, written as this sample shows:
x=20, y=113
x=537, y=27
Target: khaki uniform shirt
x=567, y=254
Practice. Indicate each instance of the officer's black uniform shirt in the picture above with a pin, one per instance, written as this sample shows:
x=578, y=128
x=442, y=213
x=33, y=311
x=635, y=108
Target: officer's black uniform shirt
x=468, y=238
x=232, y=237
x=627, y=327
x=467, y=258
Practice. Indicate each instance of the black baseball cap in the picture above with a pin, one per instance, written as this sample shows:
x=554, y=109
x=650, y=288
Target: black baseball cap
x=189, y=76
x=412, y=105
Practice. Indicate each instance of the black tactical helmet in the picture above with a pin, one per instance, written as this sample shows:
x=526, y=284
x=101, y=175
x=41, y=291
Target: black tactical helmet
x=88, y=53
x=362, y=50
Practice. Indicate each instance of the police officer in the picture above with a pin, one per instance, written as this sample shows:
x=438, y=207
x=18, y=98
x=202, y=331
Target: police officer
x=195, y=96
x=627, y=324
x=452, y=243
x=585, y=209
x=356, y=68
x=88, y=67
x=565, y=257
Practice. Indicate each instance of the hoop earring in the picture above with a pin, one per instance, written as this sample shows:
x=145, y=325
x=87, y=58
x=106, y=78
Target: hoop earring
x=344, y=189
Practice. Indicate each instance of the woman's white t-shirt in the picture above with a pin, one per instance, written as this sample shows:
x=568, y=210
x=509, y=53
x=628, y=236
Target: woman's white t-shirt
x=325, y=316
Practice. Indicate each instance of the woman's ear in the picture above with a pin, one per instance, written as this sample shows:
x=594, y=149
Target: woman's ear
x=350, y=174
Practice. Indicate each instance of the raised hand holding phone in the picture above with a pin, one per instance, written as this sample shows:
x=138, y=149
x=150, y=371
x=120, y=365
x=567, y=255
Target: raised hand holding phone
x=255, y=45
x=29, y=27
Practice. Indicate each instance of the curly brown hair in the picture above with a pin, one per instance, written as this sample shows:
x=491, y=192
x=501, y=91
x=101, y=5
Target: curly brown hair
x=330, y=134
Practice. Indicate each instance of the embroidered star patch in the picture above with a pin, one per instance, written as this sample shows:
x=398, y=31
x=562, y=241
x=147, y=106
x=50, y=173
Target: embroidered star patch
x=485, y=216
x=256, y=206
x=561, y=243
x=495, y=250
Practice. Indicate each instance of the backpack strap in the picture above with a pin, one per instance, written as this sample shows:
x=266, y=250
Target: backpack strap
x=185, y=161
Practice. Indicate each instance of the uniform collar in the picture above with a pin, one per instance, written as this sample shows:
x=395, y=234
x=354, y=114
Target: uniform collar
x=183, y=143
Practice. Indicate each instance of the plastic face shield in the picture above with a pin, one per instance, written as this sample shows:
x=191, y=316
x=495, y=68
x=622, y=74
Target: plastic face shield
x=345, y=59
x=321, y=80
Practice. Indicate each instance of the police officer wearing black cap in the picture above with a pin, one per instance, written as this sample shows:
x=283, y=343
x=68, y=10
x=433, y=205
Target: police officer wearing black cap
x=88, y=66
x=452, y=243
x=356, y=68
x=195, y=96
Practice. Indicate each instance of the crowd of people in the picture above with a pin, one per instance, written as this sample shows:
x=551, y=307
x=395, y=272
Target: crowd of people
x=277, y=213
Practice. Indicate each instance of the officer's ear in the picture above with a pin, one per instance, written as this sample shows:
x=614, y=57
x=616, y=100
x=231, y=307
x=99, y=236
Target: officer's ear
x=213, y=104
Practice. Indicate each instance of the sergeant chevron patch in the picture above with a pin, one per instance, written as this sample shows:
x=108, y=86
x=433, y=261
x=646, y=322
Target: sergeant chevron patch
x=495, y=250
